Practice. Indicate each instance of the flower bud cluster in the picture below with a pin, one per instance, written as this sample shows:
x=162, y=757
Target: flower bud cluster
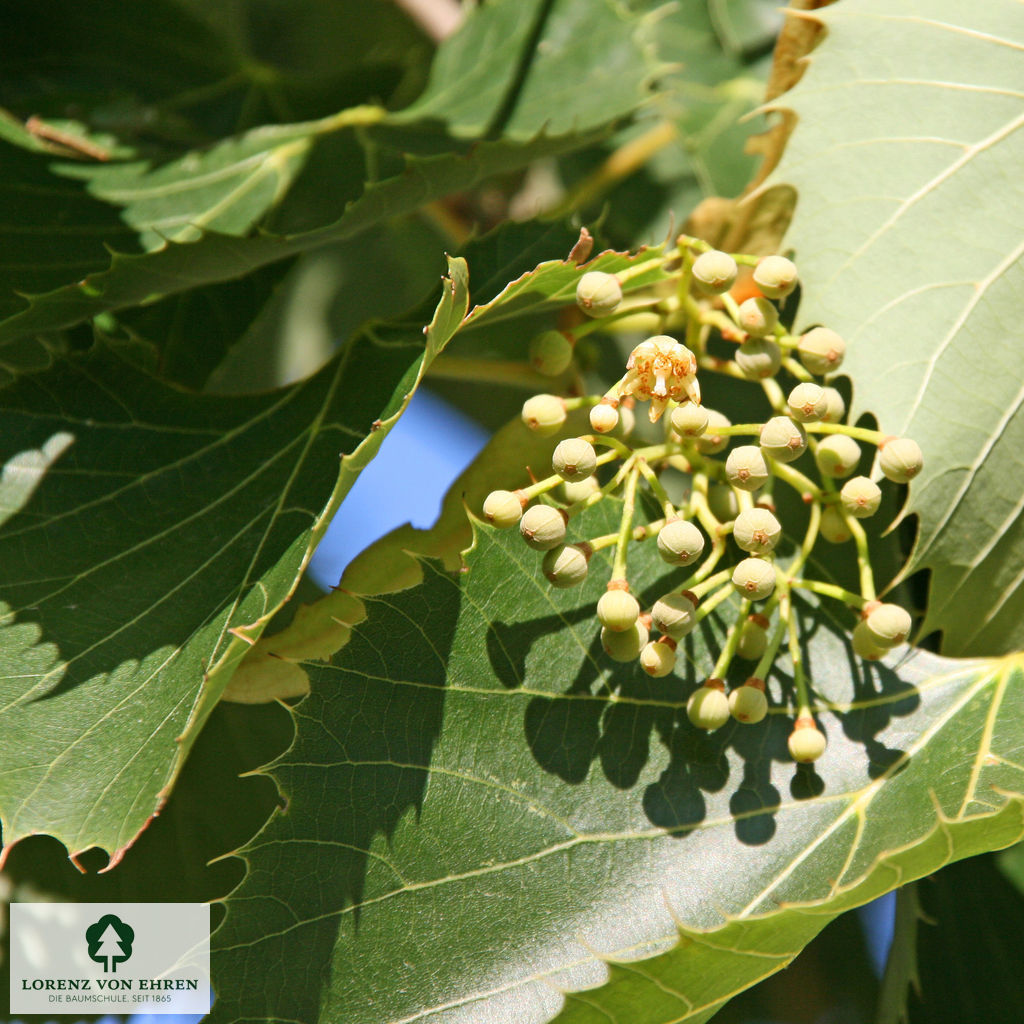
x=733, y=471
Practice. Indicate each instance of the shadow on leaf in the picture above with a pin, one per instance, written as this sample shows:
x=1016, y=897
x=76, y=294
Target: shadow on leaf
x=609, y=712
x=360, y=764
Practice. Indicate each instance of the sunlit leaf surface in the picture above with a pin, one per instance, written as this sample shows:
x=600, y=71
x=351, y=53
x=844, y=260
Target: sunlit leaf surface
x=488, y=811
x=142, y=525
x=908, y=233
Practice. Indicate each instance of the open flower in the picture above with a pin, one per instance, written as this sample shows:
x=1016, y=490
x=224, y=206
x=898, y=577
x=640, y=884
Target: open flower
x=660, y=370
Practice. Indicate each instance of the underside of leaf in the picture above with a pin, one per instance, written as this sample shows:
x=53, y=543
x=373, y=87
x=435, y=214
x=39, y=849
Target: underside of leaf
x=908, y=233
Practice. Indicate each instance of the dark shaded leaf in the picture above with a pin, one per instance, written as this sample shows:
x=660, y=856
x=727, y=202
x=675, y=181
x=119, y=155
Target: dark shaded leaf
x=176, y=267
x=517, y=68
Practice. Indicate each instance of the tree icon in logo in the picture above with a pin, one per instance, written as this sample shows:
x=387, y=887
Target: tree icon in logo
x=110, y=941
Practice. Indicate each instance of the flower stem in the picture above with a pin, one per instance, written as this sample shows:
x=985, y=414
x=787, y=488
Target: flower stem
x=619, y=447
x=732, y=641
x=874, y=437
x=701, y=577
x=809, y=538
x=711, y=583
x=626, y=524
x=717, y=598
x=798, y=370
x=732, y=308
x=803, y=708
x=493, y=371
x=867, y=577
x=802, y=484
x=774, y=394
x=738, y=429
x=656, y=487
x=829, y=590
x=764, y=665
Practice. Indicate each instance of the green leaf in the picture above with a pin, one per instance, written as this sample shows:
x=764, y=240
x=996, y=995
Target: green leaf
x=64, y=231
x=227, y=188
x=183, y=855
x=511, y=817
x=133, y=279
x=552, y=285
x=176, y=74
x=712, y=94
x=1011, y=863
x=232, y=186
x=516, y=68
x=695, y=145
x=40, y=249
x=744, y=25
x=148, y=536
x=310, y=59
x=221, y=314
x=968, y=947
x=908, y=236
x=56, y=54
